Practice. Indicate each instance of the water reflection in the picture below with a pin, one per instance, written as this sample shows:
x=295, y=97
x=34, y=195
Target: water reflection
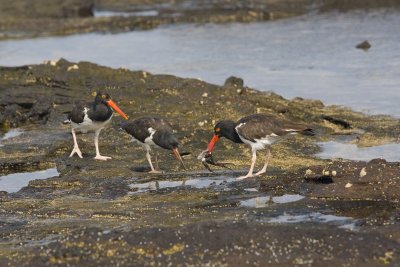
x=144, y=13
x=194, y=183
x=333, y=149
x=14, y=182
x=10, y=134
x=340, y=221
x=262, y=202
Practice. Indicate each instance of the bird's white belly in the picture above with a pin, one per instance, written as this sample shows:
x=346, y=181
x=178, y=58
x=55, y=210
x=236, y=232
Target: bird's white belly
x=148, y=142
x=89, y=126
x=260, y=143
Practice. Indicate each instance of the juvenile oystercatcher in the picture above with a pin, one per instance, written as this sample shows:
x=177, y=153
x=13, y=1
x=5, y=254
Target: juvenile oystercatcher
x=259, y=131
x=92, y=117
x=153, y=131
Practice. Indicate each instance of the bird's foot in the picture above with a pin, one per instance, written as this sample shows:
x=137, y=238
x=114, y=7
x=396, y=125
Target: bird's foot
x=244, y=177
x=100, y=157
x=155, y=171
x=77, y=151
x=260, y=173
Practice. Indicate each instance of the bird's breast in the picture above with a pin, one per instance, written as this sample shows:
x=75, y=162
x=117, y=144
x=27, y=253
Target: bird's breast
x=88, y=124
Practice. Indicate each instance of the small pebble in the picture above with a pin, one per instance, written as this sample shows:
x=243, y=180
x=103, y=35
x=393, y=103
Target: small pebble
x=73, y=67
x=348, y=185
x=363, y=172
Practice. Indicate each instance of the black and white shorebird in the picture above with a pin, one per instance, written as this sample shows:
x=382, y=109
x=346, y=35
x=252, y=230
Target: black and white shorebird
x=153, y=131
x=92, y=117
x=259, y=131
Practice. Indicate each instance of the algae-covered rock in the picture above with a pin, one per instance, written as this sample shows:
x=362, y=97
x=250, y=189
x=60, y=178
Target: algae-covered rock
x=104, y=213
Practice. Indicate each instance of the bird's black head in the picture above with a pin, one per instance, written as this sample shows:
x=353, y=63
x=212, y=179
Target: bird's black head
x=225, y=128
x=101, y=98
x=105, y=99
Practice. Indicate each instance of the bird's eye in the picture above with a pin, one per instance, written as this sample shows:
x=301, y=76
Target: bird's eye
x=217, y=130
x=104, y=96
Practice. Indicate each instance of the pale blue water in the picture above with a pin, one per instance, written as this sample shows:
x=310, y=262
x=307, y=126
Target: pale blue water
x=265, y=201
x=312, y=56
x=14, y=182
x=316, y=217
x=197, y=183
x=333, y=149
x=10, y=134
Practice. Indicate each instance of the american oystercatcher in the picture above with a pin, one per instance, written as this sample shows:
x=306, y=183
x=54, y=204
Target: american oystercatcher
x=92, y=117
x=153, y=131
x=259, y=131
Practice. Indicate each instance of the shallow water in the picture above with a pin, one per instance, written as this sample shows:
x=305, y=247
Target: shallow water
x=262, y=202
x=194, y=183
x=145, y=13
x=10, y=134
x=313, y=56
x=333, y=149
x=340, y=221
x=14, y=182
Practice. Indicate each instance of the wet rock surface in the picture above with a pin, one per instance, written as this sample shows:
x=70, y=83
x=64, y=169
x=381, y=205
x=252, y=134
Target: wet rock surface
x=108, y=213
x=27, y=19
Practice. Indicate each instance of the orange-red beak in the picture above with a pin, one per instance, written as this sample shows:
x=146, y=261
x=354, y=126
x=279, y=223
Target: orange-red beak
x=178, y=156
x=117, y=109
x=211, y=145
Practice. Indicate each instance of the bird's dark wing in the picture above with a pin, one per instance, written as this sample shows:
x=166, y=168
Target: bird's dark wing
x=163, y=136
x=137, y=128
x=159, y=123
x=165, y=139
x=77, y=113
x=258, y=126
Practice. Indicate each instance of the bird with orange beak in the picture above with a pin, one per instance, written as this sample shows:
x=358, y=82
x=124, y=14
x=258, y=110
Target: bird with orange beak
x=92, y=117
x=259, y=131
x=153, y=131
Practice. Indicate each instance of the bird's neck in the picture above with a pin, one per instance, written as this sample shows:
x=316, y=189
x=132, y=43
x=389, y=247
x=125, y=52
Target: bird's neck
x=229, y=132
x=100, y=105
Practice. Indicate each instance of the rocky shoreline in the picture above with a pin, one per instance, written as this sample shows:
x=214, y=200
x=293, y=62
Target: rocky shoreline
x=93, y=214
